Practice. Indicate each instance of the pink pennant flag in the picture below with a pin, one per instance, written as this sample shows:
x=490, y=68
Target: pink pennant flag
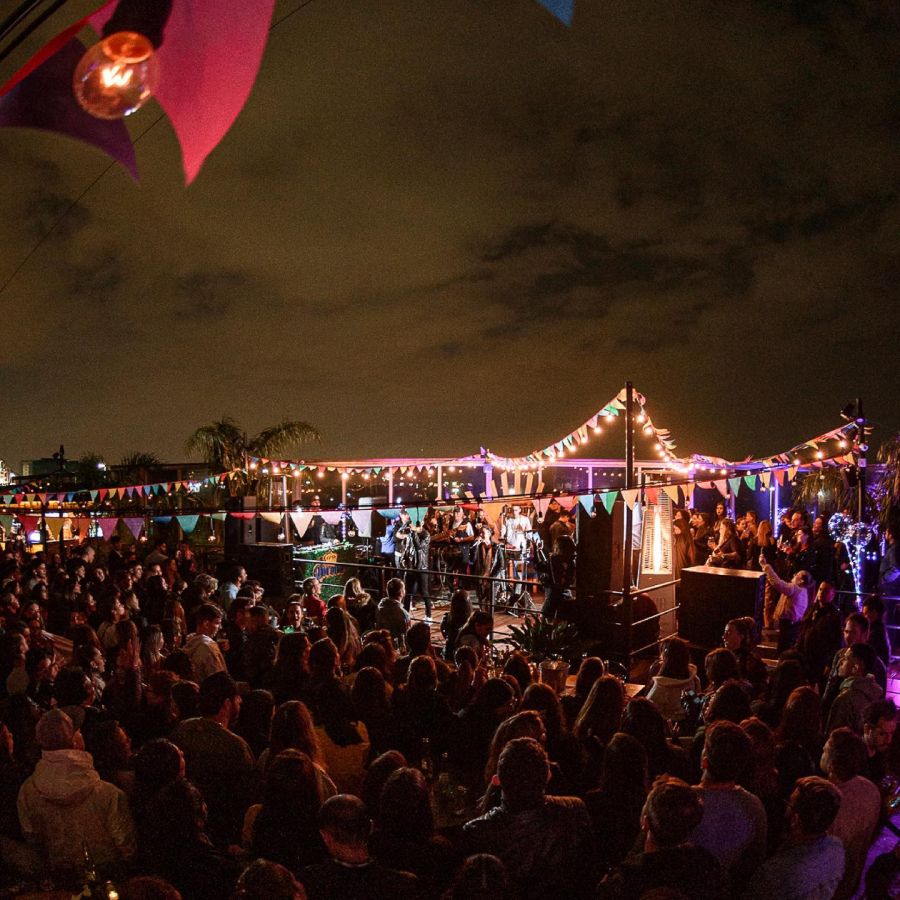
x=101, y=495
x=208, y=62
x=722, y=486
x=107, y=526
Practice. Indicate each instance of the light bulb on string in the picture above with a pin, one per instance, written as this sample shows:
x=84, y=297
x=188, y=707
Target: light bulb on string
x=116, y=76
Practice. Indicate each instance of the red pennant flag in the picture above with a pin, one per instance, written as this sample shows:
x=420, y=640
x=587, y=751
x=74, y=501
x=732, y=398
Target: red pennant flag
x=101, y=495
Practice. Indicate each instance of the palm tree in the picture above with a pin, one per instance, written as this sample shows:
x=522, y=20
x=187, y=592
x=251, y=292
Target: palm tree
x=226, y=446
x=826, y=490
x=134, y=467
x=887, y=491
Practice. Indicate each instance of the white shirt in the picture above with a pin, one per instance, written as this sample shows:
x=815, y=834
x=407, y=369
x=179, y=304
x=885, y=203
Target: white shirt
x=515, y=529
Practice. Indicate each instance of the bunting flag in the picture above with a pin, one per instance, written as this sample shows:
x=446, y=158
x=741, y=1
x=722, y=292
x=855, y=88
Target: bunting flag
x=387, y=513
x=54, y=526
x=540, y=504
x=163, y=520
x=82, y=524
x=135, y=524
x=40, y=96
x=362, y=519
x=108, y=526
x=779, y=476
x=189, y=523
x=766, y=478
x=688, y=493
x=750, y=481
x=671, y=491
x=242, y=515
x=567, y=501
x=273, y=517
x=587, y=502
x=29, y=524
x=608, y=499
x=630, y=497
x=219, y=516
x=721, y=486
x=791, y=472
x=652, y=495
x=734, y=485
x=301, y=521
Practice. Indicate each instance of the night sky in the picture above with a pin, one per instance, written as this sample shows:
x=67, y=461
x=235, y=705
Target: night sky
x=438, y=226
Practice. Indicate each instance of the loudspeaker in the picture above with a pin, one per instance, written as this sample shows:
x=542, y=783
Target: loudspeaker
x=709, y=597
x=272, y=565
x=598, y=566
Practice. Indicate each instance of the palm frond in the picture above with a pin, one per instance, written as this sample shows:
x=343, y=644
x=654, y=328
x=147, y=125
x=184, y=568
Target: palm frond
x=277, y=438
x=219, y=443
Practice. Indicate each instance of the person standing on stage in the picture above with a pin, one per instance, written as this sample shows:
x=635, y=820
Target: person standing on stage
x=483, y=552
x=416, y=557
x=462, y=536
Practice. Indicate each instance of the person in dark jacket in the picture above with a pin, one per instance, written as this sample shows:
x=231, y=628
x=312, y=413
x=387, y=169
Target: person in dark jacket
x=820, y=634
x=545, y=842
x=873, y=610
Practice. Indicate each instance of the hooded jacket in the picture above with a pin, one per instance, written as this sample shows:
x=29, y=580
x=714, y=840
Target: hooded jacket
x=666, y=692
x=65, y=803
x=856, y=695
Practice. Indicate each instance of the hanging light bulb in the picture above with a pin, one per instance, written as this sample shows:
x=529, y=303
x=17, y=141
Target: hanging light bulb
x=117, y=76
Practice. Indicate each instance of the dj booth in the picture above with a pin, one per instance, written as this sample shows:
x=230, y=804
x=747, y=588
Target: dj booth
x=709, y=597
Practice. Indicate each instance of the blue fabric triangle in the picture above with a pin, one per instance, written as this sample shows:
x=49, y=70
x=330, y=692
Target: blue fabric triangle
x=564, y=10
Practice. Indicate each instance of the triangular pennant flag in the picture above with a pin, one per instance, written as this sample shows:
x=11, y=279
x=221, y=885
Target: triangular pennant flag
x=652, y=494
x=102, y=493
x=362, y=519
x=688, y=493
x=273, y=517
x=587, y=502
x=722, y=486
x=135, y=525
x=766, y=479
x=791, y=472
x=301, y=520
x=779, y=476
x=750, y=481
x=94, y=495
x=242, y=515
x=671, y=491
x=108, y=526
x=608, y=498
x=188, y=523
x=734, y=485
x=29, y=524
x=219, y=516
x=630, y=497
x=564, y=10
x=567, y=501
x=163, y=519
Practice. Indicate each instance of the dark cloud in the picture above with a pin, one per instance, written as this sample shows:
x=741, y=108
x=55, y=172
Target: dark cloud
x=204, y=295
x=100, y=280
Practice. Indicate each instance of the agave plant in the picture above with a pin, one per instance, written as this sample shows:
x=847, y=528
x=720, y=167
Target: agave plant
x=544, y=638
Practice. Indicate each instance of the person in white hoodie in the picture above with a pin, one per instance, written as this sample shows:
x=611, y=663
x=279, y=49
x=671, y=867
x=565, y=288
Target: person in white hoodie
x=65, y=808
x=676, y=674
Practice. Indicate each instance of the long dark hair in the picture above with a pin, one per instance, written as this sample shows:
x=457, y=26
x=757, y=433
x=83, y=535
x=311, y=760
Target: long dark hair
x=286, y=830
x=404, y=812
x=335, y=713
x=292, y=729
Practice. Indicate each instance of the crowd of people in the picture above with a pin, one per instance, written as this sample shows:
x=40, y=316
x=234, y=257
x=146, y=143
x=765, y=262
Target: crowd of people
x=168, y=734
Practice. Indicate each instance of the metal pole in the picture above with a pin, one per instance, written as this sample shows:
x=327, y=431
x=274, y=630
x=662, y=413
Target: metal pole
x=440, y=483
x=390, y=487
x=863, y=444
x=629, y=484
x=288, y=538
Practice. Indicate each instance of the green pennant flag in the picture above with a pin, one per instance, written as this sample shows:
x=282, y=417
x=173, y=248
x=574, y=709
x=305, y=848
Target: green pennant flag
x=734, y=485
x=609, y=500
x=219, y=516
x=750, y=481
x=94, y=496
